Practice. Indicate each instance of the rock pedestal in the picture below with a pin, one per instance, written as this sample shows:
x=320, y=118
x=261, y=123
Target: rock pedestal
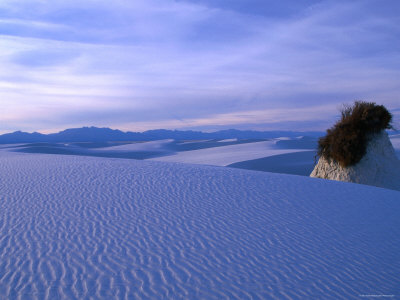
x=379, y=166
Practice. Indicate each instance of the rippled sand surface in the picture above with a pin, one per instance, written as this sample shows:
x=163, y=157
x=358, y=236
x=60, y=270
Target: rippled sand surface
x=74, y=227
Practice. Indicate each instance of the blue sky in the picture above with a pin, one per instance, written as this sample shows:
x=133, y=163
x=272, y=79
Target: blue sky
x=194, y=64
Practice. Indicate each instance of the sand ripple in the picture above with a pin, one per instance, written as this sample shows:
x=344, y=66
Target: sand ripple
x=93, y=228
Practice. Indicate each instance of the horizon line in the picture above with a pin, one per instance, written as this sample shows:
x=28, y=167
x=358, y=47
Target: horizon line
x=180, y=130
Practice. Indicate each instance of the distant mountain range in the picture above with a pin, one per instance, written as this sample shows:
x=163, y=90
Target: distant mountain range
x=95, y=134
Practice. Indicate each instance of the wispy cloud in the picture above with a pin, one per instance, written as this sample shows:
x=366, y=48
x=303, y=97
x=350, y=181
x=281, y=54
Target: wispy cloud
x=150, y=64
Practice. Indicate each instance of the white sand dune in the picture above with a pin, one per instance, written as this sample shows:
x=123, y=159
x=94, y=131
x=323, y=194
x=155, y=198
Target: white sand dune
x=212, y=152
x=296, y=163
x=158, y=145
x=195, y=141
x=208, y=152
x=75, y=227
x=226, y=155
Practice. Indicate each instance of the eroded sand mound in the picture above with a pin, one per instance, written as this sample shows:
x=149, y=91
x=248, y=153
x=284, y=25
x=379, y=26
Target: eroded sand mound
x=378, y=167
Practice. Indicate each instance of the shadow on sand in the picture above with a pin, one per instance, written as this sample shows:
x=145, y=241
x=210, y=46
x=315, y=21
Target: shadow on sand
x=298, y=163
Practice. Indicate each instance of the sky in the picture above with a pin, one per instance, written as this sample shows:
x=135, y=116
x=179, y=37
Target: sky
x=194, y=64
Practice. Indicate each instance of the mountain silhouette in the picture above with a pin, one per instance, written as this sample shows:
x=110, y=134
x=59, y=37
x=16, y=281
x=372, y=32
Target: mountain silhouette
x=96, y=134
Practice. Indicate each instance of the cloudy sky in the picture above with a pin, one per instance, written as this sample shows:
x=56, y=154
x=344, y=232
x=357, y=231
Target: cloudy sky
x=194, y=64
